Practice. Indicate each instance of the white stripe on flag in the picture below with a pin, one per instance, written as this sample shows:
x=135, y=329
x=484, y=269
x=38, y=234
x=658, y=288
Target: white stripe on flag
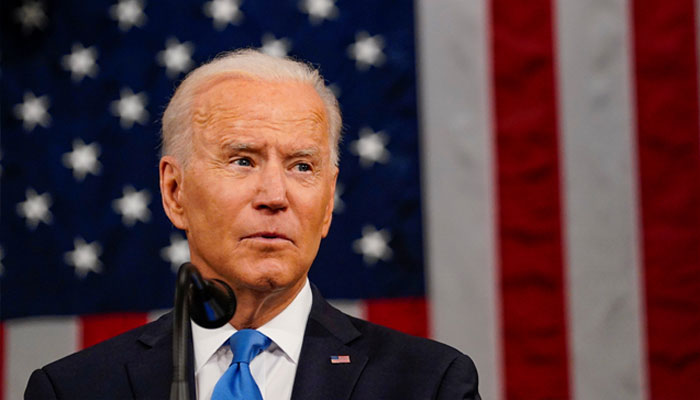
x=31, y=343
x=600, y=200
x=457, y=176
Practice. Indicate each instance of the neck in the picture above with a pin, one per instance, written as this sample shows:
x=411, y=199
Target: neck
x=254, y=308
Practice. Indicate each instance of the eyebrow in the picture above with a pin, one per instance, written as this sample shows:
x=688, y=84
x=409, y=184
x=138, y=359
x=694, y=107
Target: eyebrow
x=310, y=152
x=251, y=147
x=242, y=146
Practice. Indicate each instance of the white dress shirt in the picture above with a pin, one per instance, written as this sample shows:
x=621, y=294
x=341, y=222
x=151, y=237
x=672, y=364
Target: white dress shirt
x=273, y=369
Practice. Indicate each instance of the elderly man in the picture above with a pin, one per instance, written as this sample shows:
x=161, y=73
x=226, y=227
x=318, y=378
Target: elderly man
x=250, y=154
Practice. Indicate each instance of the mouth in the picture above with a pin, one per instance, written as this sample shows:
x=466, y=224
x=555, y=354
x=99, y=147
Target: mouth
x=268, y=236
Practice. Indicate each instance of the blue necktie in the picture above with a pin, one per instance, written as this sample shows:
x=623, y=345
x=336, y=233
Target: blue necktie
x=237, y=382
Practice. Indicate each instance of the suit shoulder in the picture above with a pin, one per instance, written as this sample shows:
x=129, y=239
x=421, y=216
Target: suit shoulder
x=381, y=339
x=98, y=371
x=414, y=366
x=381, y=342
x=102, y=371
x=116, y=350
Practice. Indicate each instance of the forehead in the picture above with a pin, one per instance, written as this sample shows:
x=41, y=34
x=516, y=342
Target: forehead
x=226, y=103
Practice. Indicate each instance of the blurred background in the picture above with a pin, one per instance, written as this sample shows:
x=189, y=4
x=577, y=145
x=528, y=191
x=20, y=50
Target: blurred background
x=520, y=180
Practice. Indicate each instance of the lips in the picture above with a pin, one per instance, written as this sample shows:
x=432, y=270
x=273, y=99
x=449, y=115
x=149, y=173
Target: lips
x=268, y=235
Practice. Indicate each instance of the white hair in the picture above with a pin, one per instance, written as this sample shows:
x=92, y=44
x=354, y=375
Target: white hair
x=178, y=116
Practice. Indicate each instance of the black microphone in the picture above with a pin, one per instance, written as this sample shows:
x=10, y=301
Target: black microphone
x=210, y=304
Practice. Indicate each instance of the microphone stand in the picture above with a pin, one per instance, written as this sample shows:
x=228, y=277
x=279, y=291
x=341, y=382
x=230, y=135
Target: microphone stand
x=179, y=389
x=210, y=304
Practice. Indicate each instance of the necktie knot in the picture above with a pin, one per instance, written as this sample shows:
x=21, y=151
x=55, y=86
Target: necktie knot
x=246, y=344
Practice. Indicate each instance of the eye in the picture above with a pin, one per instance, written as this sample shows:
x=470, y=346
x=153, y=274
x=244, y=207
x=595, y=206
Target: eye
x=303, y=167
x=243, y=162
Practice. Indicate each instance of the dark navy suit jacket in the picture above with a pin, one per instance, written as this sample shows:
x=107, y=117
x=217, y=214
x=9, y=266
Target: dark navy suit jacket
x=384, y=364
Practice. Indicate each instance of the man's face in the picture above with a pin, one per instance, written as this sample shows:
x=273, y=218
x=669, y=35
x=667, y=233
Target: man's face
x=257, y=193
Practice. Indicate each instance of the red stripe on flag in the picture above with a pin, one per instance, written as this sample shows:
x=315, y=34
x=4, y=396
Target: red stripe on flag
x=408, y=315
x=669, y=164
x=536, y=361
x=99, y=327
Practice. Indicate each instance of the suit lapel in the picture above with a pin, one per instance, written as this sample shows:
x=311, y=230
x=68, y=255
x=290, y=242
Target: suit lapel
x=328, y=333
x=150, y=375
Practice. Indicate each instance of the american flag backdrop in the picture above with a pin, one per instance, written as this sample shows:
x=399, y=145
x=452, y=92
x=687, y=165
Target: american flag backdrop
x=519, y=179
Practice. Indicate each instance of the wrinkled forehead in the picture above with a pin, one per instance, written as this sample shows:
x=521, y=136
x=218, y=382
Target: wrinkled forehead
x=229, y=100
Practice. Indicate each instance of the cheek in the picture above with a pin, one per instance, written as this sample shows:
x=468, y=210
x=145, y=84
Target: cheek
x=316, y=213
x=206, y=204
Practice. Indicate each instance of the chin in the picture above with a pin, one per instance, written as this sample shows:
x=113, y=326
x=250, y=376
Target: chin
x=268, y=276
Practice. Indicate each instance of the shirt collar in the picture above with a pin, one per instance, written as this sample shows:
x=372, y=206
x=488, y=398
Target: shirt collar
x=286, y=330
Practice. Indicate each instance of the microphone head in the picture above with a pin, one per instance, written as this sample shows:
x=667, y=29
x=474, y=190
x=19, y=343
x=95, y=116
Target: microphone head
x=212, y=302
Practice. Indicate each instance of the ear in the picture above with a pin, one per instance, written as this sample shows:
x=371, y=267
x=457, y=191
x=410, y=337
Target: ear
x=328, y=216
x=171, y=179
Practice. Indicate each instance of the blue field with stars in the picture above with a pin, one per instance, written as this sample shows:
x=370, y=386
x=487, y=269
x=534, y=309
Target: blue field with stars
x=84, y=85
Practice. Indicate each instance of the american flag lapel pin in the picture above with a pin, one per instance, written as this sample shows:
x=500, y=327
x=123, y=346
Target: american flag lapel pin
x=340, y=359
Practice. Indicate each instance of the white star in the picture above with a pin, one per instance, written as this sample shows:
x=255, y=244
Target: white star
x=177, y=253
x=367, y=50
x=133, y=206
x=129, y=13
x=223, y=12
x=373, y=245
x=130, y=108
x=176, y=58
x=83, y=159
x=81, y=62
x=33, y=111
x=36, y=208
x=31, y=15
x=319, y=10
x=85, y=257
x=275, y=47
x=338, y=203
x=370, y=147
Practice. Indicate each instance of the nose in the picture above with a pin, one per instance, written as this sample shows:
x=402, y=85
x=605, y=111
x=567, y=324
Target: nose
x=271, y=194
